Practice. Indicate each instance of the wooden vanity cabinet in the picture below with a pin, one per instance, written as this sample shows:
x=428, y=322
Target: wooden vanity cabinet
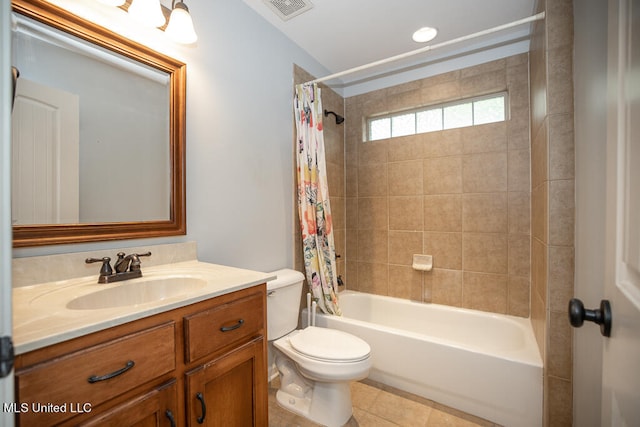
x=162, y=370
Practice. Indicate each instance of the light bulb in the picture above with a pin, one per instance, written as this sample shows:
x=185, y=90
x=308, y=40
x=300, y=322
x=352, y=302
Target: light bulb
x=180, y=27
x=148, y=12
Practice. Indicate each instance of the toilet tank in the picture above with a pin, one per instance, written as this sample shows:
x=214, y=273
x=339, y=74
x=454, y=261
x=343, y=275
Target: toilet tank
x=283, y=302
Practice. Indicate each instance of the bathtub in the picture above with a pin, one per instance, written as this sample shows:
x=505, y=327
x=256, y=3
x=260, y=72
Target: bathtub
x=484, y=364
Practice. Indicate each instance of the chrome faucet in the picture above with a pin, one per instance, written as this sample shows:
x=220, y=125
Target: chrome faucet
x=126, y=267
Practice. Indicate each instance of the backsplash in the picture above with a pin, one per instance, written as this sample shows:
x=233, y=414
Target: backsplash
x=49, y=268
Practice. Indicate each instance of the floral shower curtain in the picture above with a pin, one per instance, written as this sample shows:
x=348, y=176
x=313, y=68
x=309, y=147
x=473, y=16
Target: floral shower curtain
x=313, y=200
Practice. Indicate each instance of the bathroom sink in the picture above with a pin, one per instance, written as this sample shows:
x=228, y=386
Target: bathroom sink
x=139, y=292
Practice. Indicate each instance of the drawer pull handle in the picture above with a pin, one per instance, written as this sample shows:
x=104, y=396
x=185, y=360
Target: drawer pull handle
x=94, y=379
x=169, y=415
x=231, y=328
x=200, y=397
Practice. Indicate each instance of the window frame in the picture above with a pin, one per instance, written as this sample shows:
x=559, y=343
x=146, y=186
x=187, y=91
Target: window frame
x=439, y=106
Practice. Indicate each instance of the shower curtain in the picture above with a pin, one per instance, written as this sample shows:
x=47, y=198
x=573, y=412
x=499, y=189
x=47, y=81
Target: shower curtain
x=313, y=200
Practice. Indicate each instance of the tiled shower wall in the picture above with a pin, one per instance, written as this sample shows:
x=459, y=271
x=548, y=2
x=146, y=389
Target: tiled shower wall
x=461, y=195
x=552, y=204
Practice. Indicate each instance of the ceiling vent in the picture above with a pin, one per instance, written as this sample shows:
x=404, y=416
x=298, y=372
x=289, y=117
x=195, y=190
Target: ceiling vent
x=287, y=9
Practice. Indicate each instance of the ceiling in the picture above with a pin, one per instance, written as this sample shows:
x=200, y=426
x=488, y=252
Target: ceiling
x=342, y=34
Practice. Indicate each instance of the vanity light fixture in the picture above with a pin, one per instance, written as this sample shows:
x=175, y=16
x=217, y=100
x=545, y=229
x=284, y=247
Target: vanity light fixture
x=148, y=12
x=180, y=27
x=425, y=34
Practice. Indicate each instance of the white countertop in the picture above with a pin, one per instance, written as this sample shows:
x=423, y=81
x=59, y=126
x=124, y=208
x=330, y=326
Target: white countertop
x=41, y=316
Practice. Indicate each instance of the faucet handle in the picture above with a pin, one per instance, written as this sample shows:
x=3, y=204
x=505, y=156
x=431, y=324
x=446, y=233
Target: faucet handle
x=135, y=260
x=105, y=270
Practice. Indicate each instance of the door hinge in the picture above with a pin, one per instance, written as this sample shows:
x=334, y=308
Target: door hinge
x=6, y=356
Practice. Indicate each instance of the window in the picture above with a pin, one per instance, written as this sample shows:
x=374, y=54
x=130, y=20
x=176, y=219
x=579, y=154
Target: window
x=468, y=112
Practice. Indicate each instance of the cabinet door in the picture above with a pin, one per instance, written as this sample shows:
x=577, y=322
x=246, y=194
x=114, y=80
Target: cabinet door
x=157, y=408
x=230, y=390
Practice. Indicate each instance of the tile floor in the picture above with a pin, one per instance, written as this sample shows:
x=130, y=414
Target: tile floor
x=378, y=405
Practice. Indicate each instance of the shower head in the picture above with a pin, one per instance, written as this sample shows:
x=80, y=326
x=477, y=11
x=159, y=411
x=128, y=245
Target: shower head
x=339, y=118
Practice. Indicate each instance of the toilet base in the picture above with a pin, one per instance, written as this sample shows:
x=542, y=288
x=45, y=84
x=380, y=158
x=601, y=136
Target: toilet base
x=328, y=404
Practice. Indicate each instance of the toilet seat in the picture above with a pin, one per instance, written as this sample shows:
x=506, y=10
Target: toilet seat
x=329, y=345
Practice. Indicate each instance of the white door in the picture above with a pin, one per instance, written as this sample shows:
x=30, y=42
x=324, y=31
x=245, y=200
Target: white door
x=45, y=146
x=6, y=383
x=621, y=354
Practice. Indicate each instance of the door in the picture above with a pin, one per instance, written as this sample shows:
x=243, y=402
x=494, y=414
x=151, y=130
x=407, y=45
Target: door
x=45, y=150
x=621, y=353
x=6, y=383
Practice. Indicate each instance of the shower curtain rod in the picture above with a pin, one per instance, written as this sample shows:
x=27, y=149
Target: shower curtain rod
x=522, y=21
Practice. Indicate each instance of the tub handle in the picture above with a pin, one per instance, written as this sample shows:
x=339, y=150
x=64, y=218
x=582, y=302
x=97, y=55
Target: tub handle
x=602, y=317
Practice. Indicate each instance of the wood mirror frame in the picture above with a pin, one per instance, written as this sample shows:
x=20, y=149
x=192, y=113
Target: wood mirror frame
x=52, y=234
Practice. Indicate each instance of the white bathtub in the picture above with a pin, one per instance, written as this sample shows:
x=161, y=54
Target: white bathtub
x=481, y=363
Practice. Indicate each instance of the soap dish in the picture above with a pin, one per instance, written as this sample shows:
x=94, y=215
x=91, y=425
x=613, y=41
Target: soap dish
x=422, y=262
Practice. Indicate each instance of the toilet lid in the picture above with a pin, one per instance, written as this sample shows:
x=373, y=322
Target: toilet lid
x=330, y=345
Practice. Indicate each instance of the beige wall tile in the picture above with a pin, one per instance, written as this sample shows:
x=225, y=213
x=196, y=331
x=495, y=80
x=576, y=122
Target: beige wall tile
x=518, y=128
x=405, y=178
x=540, y=156
x=372, y=152
x=405, y=148
x=561, y=273
x=443, y=213
x=519, y=289
x=560, y=402
x=351, y=214
x=484, y=173
x=444, y=143
x=406, y=213
x=405, y=282
x=485, y=252
x=539, y=269
x=519, y=254
x=445, y=286
x=446, y=249
x=518, y=84
x=559, y=352
x=373, y=278
x=485, y=212
x=561, y=212
x=442, y=175
x=539, y=212
x=373, y=246
x=486, y=292
x=351, y=184
x=559, y=23
x=560, y=80
x=442, y=92
x=402, y=246
x=484, y=138
x=373, y=213
x=519, y=212
x=372, y=180
x=351, y=240
x=483, y=84
x=518, y=170
x=561, y=147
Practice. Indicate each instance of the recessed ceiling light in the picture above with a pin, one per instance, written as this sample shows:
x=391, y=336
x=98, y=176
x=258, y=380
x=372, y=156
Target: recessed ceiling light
x=425, y=34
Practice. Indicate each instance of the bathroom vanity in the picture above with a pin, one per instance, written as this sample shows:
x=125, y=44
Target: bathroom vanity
x=197, y=358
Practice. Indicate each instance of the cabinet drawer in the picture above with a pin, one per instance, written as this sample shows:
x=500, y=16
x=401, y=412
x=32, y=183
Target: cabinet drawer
x=95, y=375
x=229, y=324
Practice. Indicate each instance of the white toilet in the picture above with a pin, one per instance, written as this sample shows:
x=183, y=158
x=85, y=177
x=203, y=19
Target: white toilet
x=316, y=364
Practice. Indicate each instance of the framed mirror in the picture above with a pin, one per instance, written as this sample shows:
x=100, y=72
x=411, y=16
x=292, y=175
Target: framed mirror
x=98, y=133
